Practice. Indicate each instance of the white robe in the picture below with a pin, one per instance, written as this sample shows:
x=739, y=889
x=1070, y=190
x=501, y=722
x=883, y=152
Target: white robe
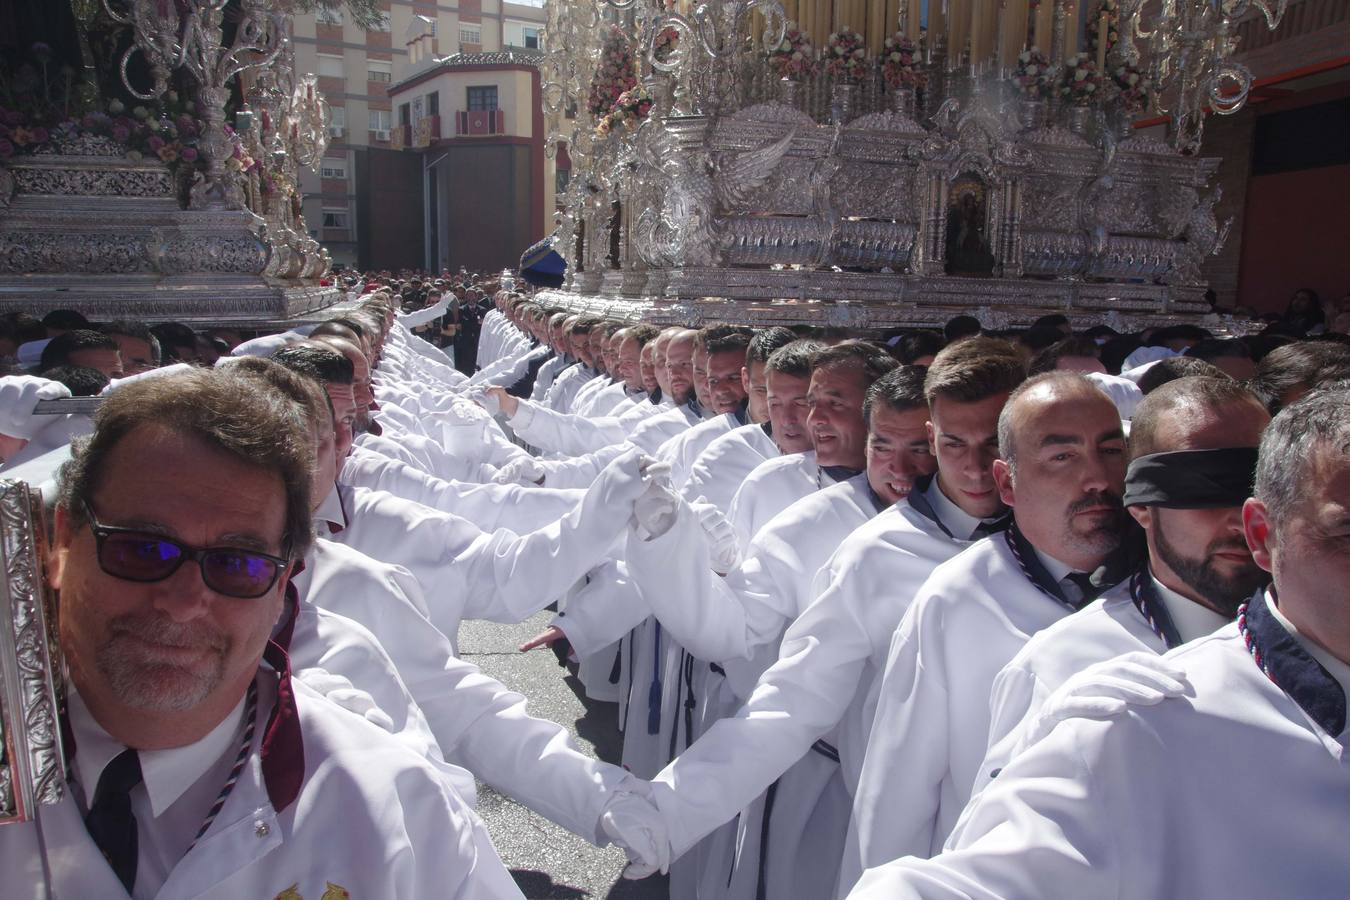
x=476, y=721
x=738, y=622
x=772, y=487
x=372, y=819
x=489, y=506
x=468, y=573
x=821, y=680
x=968, y=620
x=720, y=470
x=1233, y=790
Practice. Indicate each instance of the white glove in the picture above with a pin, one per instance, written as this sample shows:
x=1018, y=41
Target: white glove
x=655, y=511
x=724, y=551
x=19, y=396
x=521, y=470
x=636, y=825
x=1108, y=689
x=488, y=400
x=338, y=689
x=619, y=484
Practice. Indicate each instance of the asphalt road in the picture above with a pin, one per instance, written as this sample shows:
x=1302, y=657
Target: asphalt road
x=547, y=861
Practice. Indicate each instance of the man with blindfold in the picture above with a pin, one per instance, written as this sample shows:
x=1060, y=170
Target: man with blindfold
x=1193, y=447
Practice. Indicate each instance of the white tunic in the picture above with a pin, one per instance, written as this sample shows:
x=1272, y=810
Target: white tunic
x=772, y=487
x=720, y=470
x=1109, y=627
x=477, y=722
x=824, y=669
x=968, y=620
x=489, y=506
x=469, y=573
x=1235, y=790
x=372, y=819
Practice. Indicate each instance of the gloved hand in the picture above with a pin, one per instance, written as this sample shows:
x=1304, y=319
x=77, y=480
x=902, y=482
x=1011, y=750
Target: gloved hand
x=724, y=551
x=636, y=825
x=1108, y=689
x=338, y=689
x=654, y=512
x=521, y=470
x=618, y=485
x=19, y=395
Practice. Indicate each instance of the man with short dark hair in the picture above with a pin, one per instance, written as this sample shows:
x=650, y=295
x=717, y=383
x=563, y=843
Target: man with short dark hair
x=178, y=526
x=137, y=344
x=85, y=348
x=1256, y=734
x=1062, y=471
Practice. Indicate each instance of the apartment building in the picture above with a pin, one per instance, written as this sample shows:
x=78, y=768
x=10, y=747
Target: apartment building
x=366, y=202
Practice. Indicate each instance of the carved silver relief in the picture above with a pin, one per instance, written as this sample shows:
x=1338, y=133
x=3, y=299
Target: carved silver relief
x=32, y=765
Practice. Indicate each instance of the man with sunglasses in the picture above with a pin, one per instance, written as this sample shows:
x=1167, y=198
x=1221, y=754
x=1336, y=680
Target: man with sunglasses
x=198, y=767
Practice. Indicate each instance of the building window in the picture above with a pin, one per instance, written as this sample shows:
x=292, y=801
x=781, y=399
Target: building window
x=378, y=70
x=471, y=35
x=327, y=15
x=532, y=37
x=335, y=218
x=337, y=120
x=333, y=168
x=482, y=98
x=434, y=103
x=331, y=67
x=379, y=123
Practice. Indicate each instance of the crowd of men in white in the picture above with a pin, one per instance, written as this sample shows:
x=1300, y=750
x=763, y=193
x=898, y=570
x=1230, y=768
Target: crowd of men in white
x=874, y=630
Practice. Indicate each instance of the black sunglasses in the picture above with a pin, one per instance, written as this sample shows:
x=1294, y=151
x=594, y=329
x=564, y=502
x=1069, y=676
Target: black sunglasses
x=134, y=555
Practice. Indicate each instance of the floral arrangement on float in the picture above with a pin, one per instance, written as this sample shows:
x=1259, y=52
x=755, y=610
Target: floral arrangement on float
x=43, y=111
x=1109, y=10
x=1033, y=75
x=1079, y=81
x=846, y=56
x=615, y=73
x=898, y=66
x=794, y=58
x=633, y=105
x=1134, y=87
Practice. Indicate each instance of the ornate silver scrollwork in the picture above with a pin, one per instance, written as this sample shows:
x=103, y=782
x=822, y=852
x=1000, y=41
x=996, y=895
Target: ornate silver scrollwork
x=32, y=765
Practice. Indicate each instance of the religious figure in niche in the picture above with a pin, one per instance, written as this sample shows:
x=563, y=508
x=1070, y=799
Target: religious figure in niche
x=968, y=250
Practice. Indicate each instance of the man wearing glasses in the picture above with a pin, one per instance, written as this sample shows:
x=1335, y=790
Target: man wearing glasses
x=198, y=768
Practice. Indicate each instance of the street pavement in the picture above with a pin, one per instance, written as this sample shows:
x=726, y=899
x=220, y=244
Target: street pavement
x=547, y=861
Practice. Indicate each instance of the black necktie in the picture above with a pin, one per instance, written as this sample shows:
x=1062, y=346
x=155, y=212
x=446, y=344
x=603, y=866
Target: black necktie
x=110, y=821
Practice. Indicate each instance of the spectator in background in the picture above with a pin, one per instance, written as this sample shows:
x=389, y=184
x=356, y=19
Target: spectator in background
x=1303, y=313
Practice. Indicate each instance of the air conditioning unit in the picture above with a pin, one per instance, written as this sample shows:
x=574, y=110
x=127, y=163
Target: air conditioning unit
x=337, y=131
x=382, y=134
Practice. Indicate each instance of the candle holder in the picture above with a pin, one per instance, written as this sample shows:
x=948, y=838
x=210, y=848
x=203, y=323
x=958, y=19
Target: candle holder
x=843, y=102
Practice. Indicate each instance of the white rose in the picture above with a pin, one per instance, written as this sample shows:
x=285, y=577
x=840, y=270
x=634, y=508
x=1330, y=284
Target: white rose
x=1133, y=79
x=858, y=53
x=1079, y=75
x=1090, y=88
x=1031, y=70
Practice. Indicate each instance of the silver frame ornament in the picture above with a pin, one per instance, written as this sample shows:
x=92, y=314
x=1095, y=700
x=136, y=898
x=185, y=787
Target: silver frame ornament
x=32, y=761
